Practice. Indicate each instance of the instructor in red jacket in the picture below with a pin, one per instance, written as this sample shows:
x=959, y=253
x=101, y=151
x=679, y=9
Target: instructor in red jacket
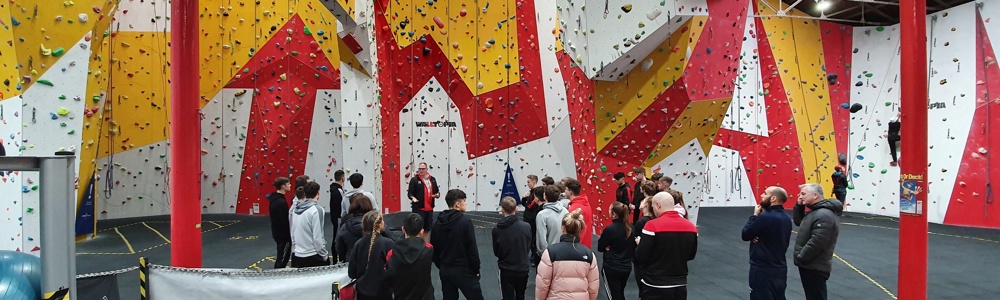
x=422, y=191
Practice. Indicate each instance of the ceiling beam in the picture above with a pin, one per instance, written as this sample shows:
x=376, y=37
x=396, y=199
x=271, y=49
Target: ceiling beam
x=842, y=11
x=883, y=14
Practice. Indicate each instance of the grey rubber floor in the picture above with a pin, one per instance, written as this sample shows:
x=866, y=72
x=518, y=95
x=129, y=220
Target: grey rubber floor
x=962, y=261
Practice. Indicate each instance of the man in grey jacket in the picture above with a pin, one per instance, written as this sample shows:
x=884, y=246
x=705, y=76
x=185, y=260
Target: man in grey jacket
x=818, y=231
x=549, y=220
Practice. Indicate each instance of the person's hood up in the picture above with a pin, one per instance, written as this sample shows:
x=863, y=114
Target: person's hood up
x=410, y=249
x=831, y=204
x=449, y=218
x=303, y=205
x=507, y=221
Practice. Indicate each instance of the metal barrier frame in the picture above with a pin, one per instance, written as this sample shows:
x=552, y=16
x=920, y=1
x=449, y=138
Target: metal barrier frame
x=57, y=208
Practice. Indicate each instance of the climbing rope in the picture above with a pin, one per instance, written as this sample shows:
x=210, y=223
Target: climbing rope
x=802, y=96
x=871, y=114
x=987, y=125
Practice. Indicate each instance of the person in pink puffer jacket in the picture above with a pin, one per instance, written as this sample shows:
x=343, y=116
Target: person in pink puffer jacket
x=568, y=270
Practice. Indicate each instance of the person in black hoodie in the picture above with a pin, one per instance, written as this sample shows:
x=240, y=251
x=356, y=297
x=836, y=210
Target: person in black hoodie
x=532, y=206
x=512, y=247
x=368, y=260
x=337, y=208
x=768, y=231
x=280, y=230
x=619, y=247
x=408, y=267
x=422, y=191
x=455, y=252
x=350, y=228
x=839, y=184
x=624, y=192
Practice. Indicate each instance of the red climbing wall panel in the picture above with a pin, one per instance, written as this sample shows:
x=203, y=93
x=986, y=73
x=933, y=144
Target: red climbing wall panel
x=521, y=104
x=775, y=159
x=972, y=198
x=284, y=75
x=837, y=45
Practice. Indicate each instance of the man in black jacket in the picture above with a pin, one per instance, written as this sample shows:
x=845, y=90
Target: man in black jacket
x=408, y=267
x=338, y=208
x=455, y=252
x=422, y=191
x=532, y=205
x=768, y=231
x=665, y=246
x=512, y=247
x=624, y=192
x=818, y=232
x=280, y=229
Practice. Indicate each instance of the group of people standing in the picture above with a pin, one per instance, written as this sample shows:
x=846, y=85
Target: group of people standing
x=769, y=232
x=649, y=236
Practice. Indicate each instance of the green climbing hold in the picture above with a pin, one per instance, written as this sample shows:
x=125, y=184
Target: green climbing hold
x=880, y=29
x=871, y=165
x=666, y=83
x=96, y=98
x=869, y=75
x=58, y=52
x=760, y=171
x=62, y=124
x=34, y=187
x=30, y=209
x=305, y=29
x=888, y=103
x=71, y=132
x=862, y=148
x=45, y=82
x=604, y=168
x=62, y=97
x=885, y=171
x=869, y=204
x=607, y=138
x=295, y=53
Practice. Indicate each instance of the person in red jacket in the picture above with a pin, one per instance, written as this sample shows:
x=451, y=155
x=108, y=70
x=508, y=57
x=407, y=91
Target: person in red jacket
x=578, y=201
x=664, y=248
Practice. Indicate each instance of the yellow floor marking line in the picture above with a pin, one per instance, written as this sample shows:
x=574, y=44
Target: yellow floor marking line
x=217, y=226
x=126, y=241
x=155, y=231
x=932, y=233
x=879, y=285
x=255, y=266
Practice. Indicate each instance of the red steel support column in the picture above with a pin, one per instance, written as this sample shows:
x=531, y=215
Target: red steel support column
x=185, y=132
x=912, y=282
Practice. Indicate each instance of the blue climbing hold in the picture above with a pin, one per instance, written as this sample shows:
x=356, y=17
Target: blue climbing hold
x=54, y=116
x=320, y=32
x=14, y=21
x=708, y=50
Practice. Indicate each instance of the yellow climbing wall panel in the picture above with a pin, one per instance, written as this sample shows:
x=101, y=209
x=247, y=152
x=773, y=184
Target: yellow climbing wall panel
x=9, y=77
x=700, y=120
x=348, y=6
x=348, y=57
x=46, y=29
x=696, y=27
x=474, y=31
x=619, y=102
x=138, y=76
x=800, y=64
x=97, y=81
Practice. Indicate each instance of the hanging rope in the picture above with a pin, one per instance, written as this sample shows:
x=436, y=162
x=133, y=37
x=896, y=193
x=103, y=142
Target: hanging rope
x=988, y=197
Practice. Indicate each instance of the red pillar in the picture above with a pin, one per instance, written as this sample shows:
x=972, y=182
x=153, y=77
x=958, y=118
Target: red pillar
x=185, y=132
x=912, y=282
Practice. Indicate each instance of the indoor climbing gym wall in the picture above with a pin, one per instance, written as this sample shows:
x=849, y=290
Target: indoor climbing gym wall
x=962, y=72
x=474, y=92
x=789, y=121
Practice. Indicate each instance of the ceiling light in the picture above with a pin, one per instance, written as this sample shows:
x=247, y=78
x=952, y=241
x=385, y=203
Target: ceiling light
x=822, y=5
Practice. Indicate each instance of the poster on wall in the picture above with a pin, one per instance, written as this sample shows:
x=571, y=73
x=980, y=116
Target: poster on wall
x=909, y=188
x=510, y=186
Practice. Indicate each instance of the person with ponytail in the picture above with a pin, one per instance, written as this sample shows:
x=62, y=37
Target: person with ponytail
x=618, y=246
x=568, y=269
x=679, y=206
x=368, y=259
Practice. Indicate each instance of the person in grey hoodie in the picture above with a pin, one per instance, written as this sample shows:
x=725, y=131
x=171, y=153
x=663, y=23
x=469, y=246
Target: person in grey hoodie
x=308, y=241
x=817, y=238
x=357, y=180
x=549, y=220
